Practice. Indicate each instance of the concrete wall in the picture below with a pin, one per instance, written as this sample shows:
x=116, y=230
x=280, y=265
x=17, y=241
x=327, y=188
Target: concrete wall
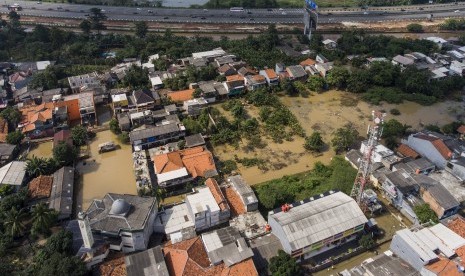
x=277, y=230
x=458, y=171
x=405, y=252
x=426, y=196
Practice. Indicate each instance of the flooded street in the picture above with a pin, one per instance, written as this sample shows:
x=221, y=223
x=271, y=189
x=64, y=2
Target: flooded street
x=109, y=172
x=326, y=112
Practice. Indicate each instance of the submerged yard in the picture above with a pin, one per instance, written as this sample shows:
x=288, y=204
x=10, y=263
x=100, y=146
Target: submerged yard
x=325, y=113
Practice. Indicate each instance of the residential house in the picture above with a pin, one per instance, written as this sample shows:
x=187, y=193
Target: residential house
x=246, y=71
x=125, y=219
x=406, y=151
x=123, y=121
x=37, y=120
x=456, y=55
x=207, y=206
x=329, y=44
x=402, y=61
x=384, y=263
x=181, y=96
x=61, y=195
x=175, y=220
x=60, y=118
x=432, y=250
x=335, y=218
x=231, y=248
x=210, y=55
x=227, y=59
x=76, y=82
x=307, y=62
x=417, y=166
x=440, y=73
x=150, y=136
x=226, y=70
x=234, y=85
x=110, y=79
x=193, y=107
x=209, y=92
x=270, y=77
x=324, y=68
x=13, y=174
x=371, y=60
x=178, y=167
x=156, y=82
x=20, y=79
x=431, y=147
x=254, y=82
x=7, y=153
x=321, y=59
x=438, y=40
x=87, y=108
x=296, y=73
x=119, y=102
x=189, y=257
x=141, y=118
x=245, y=193
x=147, y=262
x=40, y=188
x=142, y=99
x=280, y=68
x=457, y=68
x=194, y=140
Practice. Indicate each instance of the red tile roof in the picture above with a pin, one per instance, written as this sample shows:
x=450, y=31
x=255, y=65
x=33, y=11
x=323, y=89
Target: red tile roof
x=458, y=226
x=115, y=267
x=62, y=136
x=167, y=162
x=461, y=129
x=271, y=73
x=234, y=78
x=442, y=148
x=189, y=258
x=234, y=201
x=217, y=194
x=407, y=151
x=308, y=62
x=197, y=161
x=40, y=187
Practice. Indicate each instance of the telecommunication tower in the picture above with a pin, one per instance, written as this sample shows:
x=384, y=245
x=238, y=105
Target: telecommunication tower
x=375, y=130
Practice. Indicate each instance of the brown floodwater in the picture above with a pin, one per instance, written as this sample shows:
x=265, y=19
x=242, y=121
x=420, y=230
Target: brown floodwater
x=109, y=172
x=43, y=150
x=324, y=112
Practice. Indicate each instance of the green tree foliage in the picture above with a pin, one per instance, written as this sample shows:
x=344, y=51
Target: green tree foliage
x=284, y=265
x=123, y=137
x=316, y=83
x=114, y=126
x=425, y=214
x=197, y=93
x=85, y=26
x=453, y=24
x=367, y=241
x=14, y=17
x=14, y=222
x=96, y=18
x=60, y=264
x=79, y=135
x=338, y=77
x=12, y=116
x=314, y=142
x=136, y=78
x=337, y=175
x=47, y=79
x=358, y=81
x=43, y=218
x=394, y=128
x=415, y=28
x=343, y=138
x=228, y=166
x=64, y=154
x=141, y=28
x=451, y=128
x=36, y=166
x=15, y=137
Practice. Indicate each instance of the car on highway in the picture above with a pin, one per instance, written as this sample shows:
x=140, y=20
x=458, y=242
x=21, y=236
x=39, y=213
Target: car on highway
x=402, y=9
x=456, y=11
x=365, y=13
x=59, y=8
x=166, y=17
x=135, y=13
x=38, y=2
x=251, y=19
x=283, y=13
x=150, y=11
x=202, y=17
x=281, y=9
x=420, y=8
x=269, y=9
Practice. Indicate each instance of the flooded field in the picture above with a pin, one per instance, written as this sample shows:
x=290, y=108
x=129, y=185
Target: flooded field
x=43, y=150
x=110, y=172
x=326, y=112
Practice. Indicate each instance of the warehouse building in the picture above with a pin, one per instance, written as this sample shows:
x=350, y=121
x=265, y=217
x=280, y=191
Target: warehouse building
x=317, y=224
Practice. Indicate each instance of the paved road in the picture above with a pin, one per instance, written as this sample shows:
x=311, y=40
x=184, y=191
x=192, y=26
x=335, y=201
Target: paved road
x=261, y=16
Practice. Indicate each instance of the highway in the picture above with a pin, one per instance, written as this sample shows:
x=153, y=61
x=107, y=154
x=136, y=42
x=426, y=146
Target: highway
x=251, y=16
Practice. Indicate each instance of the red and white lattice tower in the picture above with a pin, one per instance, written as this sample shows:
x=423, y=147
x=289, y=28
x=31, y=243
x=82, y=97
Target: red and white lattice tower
x=375, y=129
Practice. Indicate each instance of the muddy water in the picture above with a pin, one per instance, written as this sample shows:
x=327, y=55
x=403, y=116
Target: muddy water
x=324, y=112
x=109, y=172
x=43, y=150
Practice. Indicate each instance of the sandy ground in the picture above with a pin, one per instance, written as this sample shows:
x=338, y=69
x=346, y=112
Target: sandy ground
x=324, y=112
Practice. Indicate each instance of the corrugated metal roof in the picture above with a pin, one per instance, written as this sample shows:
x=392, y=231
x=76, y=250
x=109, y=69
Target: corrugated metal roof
x=319, y=219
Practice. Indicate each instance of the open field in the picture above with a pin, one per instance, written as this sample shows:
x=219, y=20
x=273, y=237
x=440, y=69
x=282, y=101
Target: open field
x=326, y=112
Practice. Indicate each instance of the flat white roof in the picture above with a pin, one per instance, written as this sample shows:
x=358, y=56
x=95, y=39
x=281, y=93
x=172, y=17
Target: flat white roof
x=174, y=219
x=156, y=81
x=119, y=97
x=41, y=65
x=212, y=53
x=202, y=200
x=172, y=175
x=13, y=173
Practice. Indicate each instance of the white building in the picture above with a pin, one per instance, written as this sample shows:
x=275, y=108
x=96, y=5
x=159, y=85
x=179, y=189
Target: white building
x=244, y=191
x=315, y=225
x=194, y=106
x=127, y=219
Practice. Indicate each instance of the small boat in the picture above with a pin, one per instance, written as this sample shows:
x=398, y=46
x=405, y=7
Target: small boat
x=107, y=146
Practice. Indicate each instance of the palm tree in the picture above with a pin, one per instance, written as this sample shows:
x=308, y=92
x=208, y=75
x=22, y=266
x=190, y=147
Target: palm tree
x=159, y=194
x=14, y=221
x=36, y=166
x=43, y=218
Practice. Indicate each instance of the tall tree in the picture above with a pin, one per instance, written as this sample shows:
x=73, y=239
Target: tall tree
x=314, y=142
x=284, y=265
x=338, y=77
x=141, y=29
x=14, y=222
x=79, y=135
x=64, y=154
x=85, y=26
x=12, y=115
x=15, y=137
x=43, y=218
x=96, y=18
x=344, y=137
x=36, y=166
x=14, y=20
